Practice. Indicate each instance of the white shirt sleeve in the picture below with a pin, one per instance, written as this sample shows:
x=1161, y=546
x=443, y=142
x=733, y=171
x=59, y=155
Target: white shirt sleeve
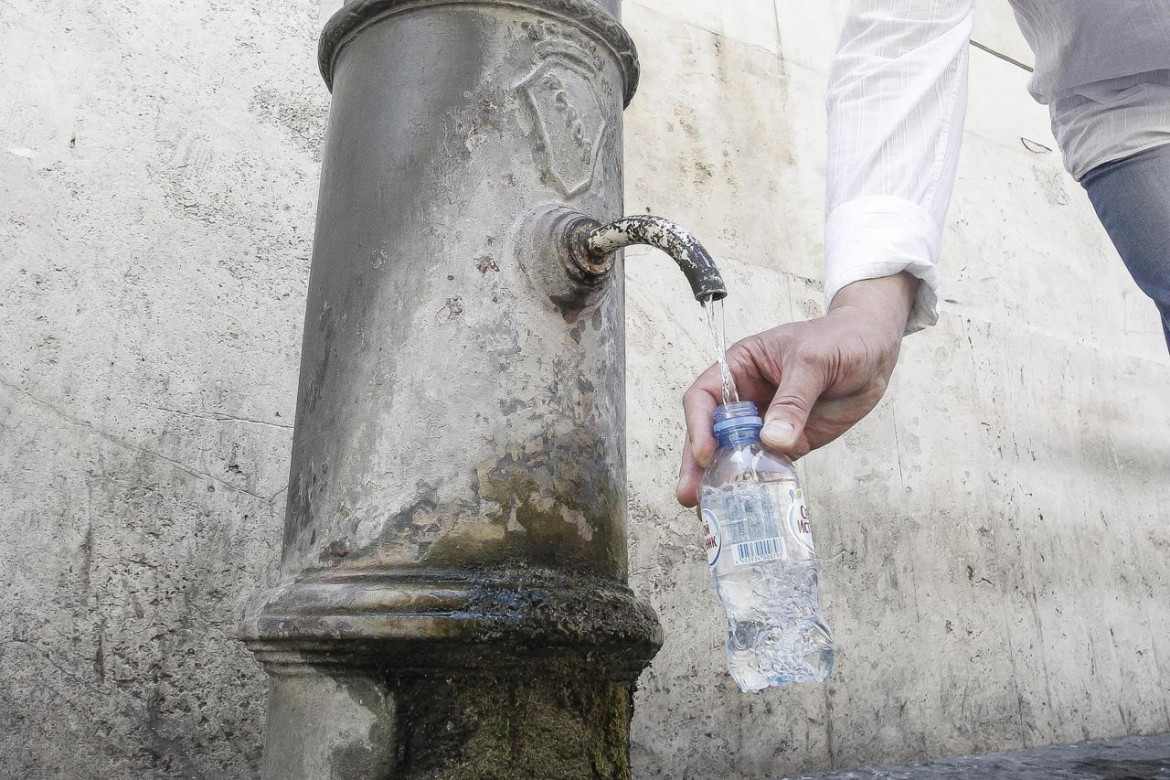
x=896, y=103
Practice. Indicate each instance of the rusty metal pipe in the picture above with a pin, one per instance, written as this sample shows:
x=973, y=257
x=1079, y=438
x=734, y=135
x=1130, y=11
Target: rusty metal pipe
x=692, y=258
x=579, y=253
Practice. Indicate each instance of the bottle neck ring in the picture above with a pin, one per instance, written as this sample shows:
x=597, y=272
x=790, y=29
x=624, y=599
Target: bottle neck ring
x=737, y=424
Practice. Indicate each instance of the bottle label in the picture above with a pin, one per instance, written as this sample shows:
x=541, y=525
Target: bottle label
x=758, y=550
x=751, y=527
x=798, y=524
x=756, y=523
x=711, y=538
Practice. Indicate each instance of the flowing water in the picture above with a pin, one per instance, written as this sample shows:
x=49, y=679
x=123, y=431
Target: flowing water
x=718, y=330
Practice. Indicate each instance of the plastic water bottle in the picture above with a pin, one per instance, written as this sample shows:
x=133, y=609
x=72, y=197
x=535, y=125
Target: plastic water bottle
x=760, y=550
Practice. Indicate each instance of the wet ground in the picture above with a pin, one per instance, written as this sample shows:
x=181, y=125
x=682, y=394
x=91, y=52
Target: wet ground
x=1130, y=758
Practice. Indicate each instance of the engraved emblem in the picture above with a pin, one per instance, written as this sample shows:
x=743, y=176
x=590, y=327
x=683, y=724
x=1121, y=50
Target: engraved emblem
x=569, y=119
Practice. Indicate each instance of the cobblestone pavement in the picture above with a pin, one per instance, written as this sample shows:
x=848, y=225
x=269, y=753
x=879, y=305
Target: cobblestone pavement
x=1130, y=758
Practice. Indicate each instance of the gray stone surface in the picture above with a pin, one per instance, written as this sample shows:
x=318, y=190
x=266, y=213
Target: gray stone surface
x=157, y=184
x=997, y=564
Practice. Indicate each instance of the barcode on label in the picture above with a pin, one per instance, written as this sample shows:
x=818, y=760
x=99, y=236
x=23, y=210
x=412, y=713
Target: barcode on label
x=760, y=550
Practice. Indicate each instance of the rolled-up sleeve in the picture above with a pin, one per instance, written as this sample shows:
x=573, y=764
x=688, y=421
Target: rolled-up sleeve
x=896, y=103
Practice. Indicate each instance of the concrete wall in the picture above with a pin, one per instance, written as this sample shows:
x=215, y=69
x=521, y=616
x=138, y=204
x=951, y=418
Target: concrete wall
x=996, y=553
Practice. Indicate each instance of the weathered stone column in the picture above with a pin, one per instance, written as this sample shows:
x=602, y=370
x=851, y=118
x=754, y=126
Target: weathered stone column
x=454, y=598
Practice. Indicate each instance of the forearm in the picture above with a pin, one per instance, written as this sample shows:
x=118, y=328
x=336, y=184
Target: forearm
x=896, y=104
x=885, y=302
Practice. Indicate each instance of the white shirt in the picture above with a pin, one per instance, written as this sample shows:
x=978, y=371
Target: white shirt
x=896, y=103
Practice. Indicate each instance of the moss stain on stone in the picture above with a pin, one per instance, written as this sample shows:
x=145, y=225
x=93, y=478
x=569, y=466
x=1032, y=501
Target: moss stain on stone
x=546, y=503
x=556, y=718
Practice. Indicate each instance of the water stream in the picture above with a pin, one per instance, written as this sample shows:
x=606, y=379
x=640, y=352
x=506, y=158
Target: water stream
x=718, y=330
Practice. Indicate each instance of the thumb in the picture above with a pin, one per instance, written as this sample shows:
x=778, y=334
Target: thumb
x=800, y=387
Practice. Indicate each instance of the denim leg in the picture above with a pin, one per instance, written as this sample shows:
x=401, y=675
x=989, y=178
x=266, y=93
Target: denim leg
x=1132, y=198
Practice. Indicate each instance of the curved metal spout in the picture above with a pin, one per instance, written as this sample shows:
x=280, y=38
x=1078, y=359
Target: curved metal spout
x=692, y=258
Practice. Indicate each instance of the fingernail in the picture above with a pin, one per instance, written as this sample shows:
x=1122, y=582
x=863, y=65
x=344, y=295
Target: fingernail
x=779, y=433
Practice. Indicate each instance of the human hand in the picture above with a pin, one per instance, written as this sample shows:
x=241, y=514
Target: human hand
x=812, y=380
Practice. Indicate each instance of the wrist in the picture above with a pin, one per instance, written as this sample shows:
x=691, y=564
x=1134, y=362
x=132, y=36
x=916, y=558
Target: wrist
x=885, y=302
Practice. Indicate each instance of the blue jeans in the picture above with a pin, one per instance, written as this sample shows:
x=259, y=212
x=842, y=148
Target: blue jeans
x=1132, y=198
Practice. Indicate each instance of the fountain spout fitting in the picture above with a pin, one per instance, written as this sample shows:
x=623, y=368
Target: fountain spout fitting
x=591, y=246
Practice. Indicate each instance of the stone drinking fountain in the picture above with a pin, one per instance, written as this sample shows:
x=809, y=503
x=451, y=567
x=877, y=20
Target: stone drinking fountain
x=453, y=601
